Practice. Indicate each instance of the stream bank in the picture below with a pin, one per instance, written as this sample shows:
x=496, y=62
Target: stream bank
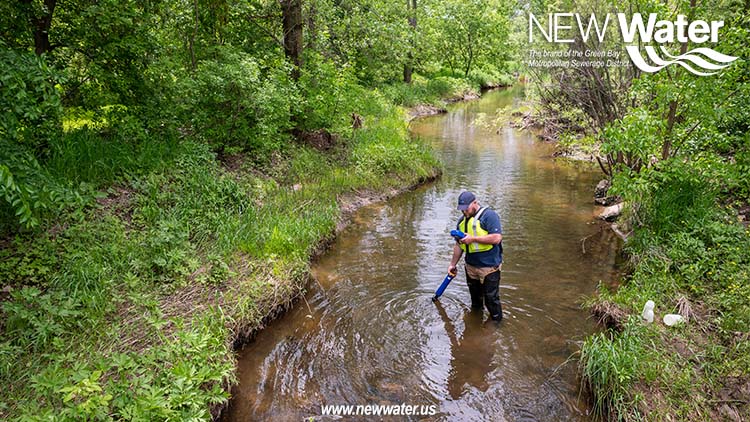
x=131, y=307
x=687, y=237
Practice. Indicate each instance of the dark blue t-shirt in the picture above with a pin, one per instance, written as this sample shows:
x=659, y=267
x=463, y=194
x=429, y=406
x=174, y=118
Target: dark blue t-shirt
x=489, y=221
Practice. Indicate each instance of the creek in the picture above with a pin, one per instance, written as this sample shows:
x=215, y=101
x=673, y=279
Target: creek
x=368, y=333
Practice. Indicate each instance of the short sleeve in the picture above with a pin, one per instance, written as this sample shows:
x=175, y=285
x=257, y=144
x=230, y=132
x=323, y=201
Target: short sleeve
x=491, y=222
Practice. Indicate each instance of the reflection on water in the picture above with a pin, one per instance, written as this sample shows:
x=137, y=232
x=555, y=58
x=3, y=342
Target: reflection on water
x=471, y=361
x=368, y=332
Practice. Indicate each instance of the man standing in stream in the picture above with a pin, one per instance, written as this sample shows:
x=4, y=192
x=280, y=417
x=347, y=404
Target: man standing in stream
x=484, y=253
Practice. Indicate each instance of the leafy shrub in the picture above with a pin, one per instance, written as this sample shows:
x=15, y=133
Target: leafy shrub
x=637, y=136
x=30, y=111
x=330, y=94
x=237, y=100
x=736, y=181
x=672, y=196
x=30, y=107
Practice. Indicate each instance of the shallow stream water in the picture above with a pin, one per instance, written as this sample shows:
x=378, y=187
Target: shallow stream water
x=367, y=332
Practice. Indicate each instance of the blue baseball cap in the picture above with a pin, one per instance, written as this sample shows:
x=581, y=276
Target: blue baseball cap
x=465, y=199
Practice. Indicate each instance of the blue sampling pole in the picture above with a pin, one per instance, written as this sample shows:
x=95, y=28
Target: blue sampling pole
x=457, y=234
x=441, y=289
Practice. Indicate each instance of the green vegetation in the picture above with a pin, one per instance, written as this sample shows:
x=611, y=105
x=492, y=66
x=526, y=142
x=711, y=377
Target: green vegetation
x=677, y=149
x=688, y=372
x=128, y=308
x=437, y=89
x=168, y=168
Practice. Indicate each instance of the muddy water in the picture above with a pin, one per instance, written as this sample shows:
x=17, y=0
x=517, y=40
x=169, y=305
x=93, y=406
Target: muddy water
x=367, y=332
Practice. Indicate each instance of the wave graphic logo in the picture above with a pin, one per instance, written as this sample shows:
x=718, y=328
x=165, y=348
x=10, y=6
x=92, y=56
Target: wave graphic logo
x=694, y=61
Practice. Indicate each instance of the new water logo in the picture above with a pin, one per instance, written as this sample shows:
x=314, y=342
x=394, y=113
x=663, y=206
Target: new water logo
x=702, y=61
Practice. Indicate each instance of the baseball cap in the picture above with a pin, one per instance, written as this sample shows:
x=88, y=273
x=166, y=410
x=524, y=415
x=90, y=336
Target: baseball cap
x=465, y=199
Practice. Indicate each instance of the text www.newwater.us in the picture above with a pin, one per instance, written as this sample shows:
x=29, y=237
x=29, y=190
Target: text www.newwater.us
x=378, y=410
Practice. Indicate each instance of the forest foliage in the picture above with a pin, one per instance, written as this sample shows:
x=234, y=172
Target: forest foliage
x=239, y=76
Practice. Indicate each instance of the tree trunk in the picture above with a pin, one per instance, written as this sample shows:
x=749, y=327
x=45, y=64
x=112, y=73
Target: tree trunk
x=672, y=115
x=291, y=12
x=469, y=58
x=191, y=40
x=407, y=72
x=41, y=26
x=312, y=31
x=411, y=6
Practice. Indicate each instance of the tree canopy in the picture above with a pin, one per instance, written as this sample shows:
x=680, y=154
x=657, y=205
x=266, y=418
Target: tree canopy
x=237, y=75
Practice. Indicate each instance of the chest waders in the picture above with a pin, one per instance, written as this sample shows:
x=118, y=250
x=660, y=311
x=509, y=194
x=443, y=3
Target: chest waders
x=485, y=289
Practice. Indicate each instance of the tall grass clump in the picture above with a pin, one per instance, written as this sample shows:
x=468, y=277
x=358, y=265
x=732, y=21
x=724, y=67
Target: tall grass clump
x=385, y=149
x=611, y=366
x=112, y=147
x=432, y=90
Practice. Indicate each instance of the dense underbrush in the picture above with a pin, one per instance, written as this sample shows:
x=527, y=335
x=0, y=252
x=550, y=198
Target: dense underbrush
x=125, y=297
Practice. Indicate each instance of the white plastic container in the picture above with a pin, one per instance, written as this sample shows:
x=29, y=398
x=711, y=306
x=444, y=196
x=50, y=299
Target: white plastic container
x=648, y=312
x=672, y=319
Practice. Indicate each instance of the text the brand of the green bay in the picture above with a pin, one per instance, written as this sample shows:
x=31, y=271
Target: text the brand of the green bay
x=563, y=28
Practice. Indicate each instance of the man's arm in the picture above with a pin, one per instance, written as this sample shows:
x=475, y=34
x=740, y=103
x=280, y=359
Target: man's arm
x=457, y=252
x=488, y=239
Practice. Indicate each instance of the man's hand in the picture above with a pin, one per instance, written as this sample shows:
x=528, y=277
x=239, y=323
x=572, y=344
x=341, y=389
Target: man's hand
x=452, y=270
x=468, y=239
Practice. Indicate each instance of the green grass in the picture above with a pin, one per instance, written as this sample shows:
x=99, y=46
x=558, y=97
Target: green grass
x=610, y=365
x=430, y=90
x=689, y=256
x=126, y=308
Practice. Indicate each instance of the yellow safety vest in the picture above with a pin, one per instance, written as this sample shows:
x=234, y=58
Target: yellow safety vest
x=473, y=228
